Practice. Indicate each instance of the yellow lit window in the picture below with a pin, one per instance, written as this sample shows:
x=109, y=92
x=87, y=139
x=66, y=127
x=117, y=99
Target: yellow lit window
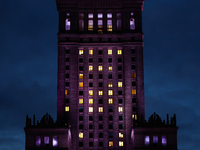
x=133, y=91
x=100, y=68
x=80, y=76
x=90, y=101
x=66, y=92
x=110, y=143
x=119, y=84
x=134, y=117
x=109, y=84
x=81, y=135
x=133, y=75
x=80, y=84
x=80, y=52
x=90, y=68
x=121, y=143
x=90, y=52
x=66, y=108
x=120, y=135
x=119, y=52
x=110, y=92
x=90, y=109
x=120, y=109
x=100, y=92
x=80, y=101
x=110, y=52
x=100, y=109
x=109, y=68
x=90, y=92
x=110, y=101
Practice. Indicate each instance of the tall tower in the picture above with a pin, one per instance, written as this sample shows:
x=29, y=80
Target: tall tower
x=100, y=71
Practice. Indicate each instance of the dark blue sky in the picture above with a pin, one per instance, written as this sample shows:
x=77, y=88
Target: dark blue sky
x=28, y=65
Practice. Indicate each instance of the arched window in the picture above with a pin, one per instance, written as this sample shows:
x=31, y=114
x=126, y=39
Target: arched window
x=67, y=24
x=132, y=24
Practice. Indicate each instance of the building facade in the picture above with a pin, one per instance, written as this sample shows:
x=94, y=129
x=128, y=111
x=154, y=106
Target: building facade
x=100, y=93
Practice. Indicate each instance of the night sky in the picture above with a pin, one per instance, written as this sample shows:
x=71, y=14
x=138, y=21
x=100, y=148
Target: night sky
x=28, y=65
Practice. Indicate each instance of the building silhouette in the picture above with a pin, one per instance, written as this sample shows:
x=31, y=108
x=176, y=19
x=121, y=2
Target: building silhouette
x=100, y=92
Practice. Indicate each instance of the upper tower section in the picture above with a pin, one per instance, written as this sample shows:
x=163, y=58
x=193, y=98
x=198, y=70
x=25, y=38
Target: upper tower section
x=100, y=16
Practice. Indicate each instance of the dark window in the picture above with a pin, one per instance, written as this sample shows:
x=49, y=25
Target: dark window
x=120, y=126
x=100, y=84
x=134, y=108
x=120, y=101
x=110, y=126
x=67, y=76
x=80, y=109
x=66, y=83
x=67, y=100
x=119, y=67
x=110, y=118
x=110, y=109
x=100, y=135
x=109, y=60
x=80, y=68
x=100, y=101
x=80, y=92
x=67, y=68
x=120, y=118
x=100, y=126
x=100, y=52
x=67, y=51
x=132, y=51
x=132, y=66
x=100, y=144
x=90, y=76
x=80, y=126
x=90, y=144
x=119, y=92
x=109, y=76
x=90, y=84
x=119, y=59
x=90, y=135
x=110, y=135
x=100, y=60
x=80, y=118
x=100, y=118
x=100, y=76
x=90, y=60
x=80, y=60
x=133, y=84
x=90, y=118
x=80, y=144
x=91, y=126
x=119, y=76
x=133, y=100
x=132, y=58
x=67, y=59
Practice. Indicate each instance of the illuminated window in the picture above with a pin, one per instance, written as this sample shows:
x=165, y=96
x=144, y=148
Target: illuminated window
x=66, y=108
x=100, y=15
x=109, y=15
x=80, y=101
x=46, y=140
x=133, y=75
x=90, y=101
x=164, y=140
x=81, y=135
x=90, y=15
x=110, y=101
x=110, y=143
x=133, y=91
x=38, y=141
x=90, y=52
x=66, y=92
x=146, y=140
x=90, y=109
x=121, y=143
x=134, y=117
x=110, y=92
x=90, y=92
x=80, y=52
x=100, y=26
x=90, y=68
x=67, y=24
x=109, y=84
x=100, y=92
x=100, y=109
x=155, y=139
x=120, y=109
x=119, y=84
x=100, y=68
x=120, y=135
x=90, y=25
x=80, y=84
x=132, y=24
x=109, y=25
x=119, y=52
x=109, y=68
x=55, y=141
x=110, y=52
x=80, y=76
